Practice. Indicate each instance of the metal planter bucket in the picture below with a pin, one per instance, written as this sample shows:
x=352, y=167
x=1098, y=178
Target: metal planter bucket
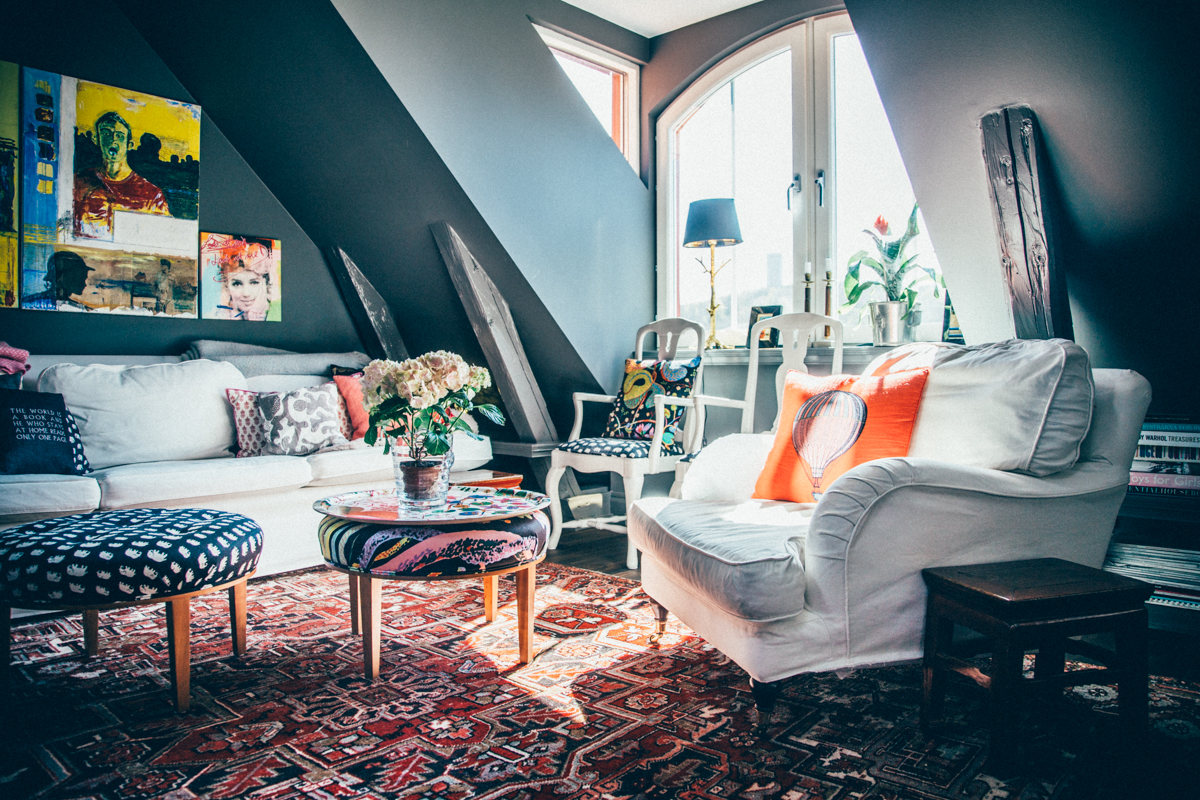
x=888, y=326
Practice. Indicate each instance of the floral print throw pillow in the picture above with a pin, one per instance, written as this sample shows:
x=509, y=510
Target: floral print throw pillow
x=632, y=416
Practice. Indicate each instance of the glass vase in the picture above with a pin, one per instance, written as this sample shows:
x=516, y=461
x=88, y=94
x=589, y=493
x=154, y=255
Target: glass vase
x=421, y=485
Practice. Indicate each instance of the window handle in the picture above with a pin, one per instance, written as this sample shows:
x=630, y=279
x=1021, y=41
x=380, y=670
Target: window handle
x=795, y=184
x=820, y=182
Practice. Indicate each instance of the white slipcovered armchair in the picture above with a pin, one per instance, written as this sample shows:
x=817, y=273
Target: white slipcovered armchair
x=1020, y=450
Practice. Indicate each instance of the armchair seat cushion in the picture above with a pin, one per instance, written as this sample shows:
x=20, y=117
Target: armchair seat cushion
x=745, y=558
x=618, y=448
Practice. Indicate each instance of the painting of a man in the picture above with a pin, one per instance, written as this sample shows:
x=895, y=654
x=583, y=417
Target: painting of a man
x=164, y=289
x=66, y=278
x=114, y=186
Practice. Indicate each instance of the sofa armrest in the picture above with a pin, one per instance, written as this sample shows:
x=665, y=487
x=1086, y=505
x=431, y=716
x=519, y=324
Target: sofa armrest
x=882, y=522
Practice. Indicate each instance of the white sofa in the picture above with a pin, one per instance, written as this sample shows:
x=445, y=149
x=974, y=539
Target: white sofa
x=1003, y=465
x=173, y=448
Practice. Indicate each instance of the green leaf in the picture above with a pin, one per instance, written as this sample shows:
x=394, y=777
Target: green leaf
x=852, y=295
x=490, y=412
x=436, y=444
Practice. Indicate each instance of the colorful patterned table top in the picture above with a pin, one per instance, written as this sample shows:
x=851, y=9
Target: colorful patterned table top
x=463, y=504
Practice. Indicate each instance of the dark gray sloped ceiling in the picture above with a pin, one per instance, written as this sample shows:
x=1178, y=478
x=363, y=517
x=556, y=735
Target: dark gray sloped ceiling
x=1113, y=85
x=305, y=105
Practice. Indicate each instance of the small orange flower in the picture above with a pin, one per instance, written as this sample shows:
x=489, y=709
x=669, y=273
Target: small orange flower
x=881, y=225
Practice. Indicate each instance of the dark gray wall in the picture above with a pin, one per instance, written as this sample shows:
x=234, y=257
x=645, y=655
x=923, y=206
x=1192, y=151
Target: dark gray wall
x=95, y=42
x=531, y=157
x=1113, y=85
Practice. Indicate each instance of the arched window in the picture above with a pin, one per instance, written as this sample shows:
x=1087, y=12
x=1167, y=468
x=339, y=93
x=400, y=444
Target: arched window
x=792, y=128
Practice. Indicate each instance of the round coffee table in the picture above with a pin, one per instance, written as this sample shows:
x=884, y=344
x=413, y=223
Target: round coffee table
x=479, y=533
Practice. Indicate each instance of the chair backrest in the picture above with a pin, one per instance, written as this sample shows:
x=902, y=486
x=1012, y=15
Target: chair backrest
x=793, y=330
x=669, y=331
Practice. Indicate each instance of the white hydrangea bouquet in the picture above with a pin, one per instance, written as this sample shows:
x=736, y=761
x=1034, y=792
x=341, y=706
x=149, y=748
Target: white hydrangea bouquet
x=422, y=401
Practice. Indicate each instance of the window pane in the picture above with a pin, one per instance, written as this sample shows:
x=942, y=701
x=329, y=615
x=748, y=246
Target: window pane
x=871, y=182
x=595, y=84
x=739, y=144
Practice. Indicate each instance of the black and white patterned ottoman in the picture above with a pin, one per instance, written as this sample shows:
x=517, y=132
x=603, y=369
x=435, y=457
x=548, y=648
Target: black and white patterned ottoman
x=111, y=559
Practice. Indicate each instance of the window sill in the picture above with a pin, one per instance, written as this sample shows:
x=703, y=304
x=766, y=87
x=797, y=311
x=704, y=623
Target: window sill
x=852, y=355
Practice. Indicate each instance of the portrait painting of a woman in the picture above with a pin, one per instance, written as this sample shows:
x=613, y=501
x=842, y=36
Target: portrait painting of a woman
x=241, y=277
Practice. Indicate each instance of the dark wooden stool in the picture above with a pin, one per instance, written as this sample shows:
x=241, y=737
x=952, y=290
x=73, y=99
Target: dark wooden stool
x=1036, y=605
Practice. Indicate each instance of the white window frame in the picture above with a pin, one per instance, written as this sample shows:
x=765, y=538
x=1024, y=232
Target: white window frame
x=629, y=134
x=812, y=225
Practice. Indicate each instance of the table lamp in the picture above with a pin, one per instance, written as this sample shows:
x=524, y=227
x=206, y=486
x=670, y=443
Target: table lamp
x=712, y=224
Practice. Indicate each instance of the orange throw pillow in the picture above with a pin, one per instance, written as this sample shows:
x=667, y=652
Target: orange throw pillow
x=832, y=424
x=350, y=387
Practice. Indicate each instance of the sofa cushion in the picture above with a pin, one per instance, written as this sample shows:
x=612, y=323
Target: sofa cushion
x=179, y=481
x=39, y=435
x=158, y=412
x=1023, y=405
x=357, y=465
x=29, y=495
x=745, y=558
x=832, y=424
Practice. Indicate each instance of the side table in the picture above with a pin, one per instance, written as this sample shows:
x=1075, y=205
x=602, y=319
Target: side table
x=1036, y=604
x=480, y=533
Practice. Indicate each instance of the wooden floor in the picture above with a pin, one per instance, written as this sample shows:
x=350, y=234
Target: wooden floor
x=1174, y=655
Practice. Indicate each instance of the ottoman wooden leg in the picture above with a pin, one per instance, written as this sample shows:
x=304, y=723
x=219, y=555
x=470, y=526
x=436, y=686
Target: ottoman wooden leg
x=179, y=629
x=355, y=617
x=1007, y=662
x=526, y=581
x=91, y=632
x=939, y=636
x=1133, y=695
x=237, y=616
x=5, y=643
x=491, y=594
x=368, y=607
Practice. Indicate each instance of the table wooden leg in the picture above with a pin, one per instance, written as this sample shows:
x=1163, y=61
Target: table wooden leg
x=237, y=617
x=5, y=643
x=368, y=606
x=1133, y=695
x=179, y=628
x=1007, y=662
x=491, y=595
x=939, y=636
x=526, y=581
x=91, y=632
x=355, y=618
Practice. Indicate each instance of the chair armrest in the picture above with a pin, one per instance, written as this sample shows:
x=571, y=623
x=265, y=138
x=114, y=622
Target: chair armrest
x=579, y=398
x=660, y=403
x=882, y=522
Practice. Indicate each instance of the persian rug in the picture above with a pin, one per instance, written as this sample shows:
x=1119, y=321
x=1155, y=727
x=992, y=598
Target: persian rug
x=600, y=713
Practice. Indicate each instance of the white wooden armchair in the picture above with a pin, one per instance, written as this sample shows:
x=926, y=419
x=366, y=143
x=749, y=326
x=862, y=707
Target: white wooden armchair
x=632, y=459
x=794, y=330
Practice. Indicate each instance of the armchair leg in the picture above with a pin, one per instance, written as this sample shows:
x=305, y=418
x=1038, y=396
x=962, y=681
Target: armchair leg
x=553, y=476
x=765, y=695
x=633, y=491
x=660, y=621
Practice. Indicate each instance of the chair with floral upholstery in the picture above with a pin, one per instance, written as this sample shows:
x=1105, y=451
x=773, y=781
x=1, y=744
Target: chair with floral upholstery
x=648, y=430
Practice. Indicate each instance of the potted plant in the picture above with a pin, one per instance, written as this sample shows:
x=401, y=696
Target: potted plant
x=417, y=405
x=898, y=276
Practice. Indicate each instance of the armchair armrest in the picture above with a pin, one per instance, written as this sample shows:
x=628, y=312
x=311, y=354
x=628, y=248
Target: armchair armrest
x=579, y=398
x=882, y=522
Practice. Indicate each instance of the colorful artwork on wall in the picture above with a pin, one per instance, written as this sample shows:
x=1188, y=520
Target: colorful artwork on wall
x=241, y=277
x=111, y=198
x=10, y=136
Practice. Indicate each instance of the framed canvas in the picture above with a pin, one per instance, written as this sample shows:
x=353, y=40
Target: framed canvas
x=10, y=138
x=241, y=278
x=110, y=198
x=769, y=337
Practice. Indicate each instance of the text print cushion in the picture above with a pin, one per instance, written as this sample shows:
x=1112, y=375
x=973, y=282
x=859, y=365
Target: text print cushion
x=38, y=435
x=830, y=425
x=1021, y=405
x=154, y=412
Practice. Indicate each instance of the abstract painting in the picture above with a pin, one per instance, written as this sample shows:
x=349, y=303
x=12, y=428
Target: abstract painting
x=10, y=135
x=241, y=277
x=111, y=198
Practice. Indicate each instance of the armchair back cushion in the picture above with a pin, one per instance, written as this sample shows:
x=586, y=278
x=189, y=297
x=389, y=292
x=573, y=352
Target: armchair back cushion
x=832, y=424
x=632, y=416
x=157, y=412
x=1021, y=405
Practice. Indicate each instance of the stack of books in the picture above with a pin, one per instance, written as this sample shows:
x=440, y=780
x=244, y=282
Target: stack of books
x=1167, y=462
x=1174, y=572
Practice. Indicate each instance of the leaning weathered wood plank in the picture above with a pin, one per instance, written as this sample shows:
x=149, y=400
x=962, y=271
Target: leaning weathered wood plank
x=492, y=321
x=370, y=312
x=1036, y=289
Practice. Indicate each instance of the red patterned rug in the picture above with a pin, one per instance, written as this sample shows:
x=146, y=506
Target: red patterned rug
x=599, y=714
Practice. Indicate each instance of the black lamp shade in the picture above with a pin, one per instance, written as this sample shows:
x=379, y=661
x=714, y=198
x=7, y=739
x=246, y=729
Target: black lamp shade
x=712, y=222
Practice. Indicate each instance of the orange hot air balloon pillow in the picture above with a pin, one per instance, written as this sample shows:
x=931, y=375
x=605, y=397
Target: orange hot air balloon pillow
x=832, y=424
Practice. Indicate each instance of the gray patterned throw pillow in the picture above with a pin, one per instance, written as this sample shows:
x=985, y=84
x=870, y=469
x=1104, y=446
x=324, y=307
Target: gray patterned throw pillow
x=301, y=422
